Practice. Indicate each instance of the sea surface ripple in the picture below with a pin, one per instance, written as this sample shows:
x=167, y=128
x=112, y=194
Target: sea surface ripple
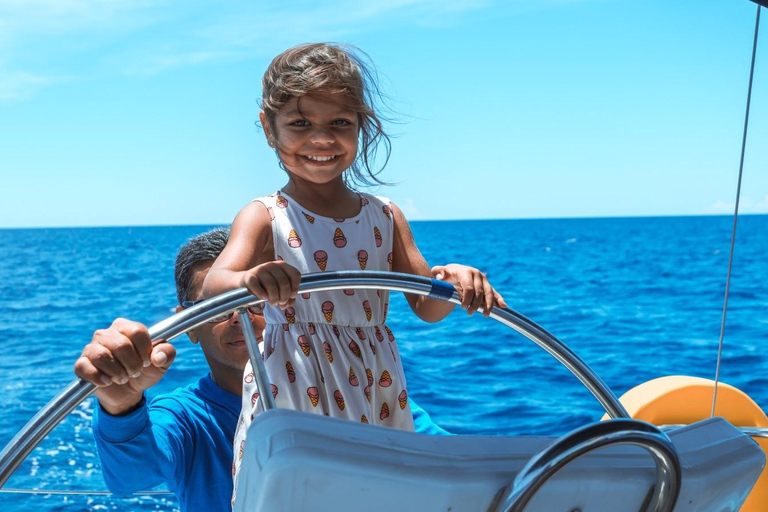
x=636, y=298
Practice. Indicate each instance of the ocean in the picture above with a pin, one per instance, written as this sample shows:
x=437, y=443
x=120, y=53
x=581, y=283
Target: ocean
x=636, y=298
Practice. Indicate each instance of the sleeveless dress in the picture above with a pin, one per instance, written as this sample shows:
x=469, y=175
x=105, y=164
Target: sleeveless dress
x=331, y=352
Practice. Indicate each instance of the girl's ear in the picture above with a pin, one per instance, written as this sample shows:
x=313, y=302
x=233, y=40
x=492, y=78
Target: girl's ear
x=267, y=129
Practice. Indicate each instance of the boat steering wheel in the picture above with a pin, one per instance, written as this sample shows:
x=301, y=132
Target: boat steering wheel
x=77, y=391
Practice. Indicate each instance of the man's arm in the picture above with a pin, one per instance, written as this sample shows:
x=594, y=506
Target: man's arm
x=137, y=446
x=139, y=450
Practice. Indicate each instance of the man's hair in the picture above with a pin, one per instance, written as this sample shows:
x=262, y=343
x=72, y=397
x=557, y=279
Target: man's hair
x=200, y=249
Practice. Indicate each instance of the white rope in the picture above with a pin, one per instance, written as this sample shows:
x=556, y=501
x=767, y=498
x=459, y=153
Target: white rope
x=82, y=493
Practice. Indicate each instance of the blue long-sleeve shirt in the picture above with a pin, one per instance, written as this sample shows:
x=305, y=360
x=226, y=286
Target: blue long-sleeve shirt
x=183, y=439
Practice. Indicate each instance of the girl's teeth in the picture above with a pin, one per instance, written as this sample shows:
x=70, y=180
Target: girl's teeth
x=320, y=158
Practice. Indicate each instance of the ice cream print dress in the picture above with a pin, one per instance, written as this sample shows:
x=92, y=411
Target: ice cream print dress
x=331, y=353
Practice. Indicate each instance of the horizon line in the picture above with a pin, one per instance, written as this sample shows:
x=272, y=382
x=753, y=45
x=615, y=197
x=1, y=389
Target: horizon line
x=588, y=217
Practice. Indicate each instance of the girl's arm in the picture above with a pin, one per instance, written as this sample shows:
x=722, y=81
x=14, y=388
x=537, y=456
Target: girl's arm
x=473, y=286
x=248, y=260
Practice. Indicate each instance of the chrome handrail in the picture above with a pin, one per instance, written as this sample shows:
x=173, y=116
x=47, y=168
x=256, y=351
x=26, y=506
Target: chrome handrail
x=548, y=461
x=257, y=363
x=77, y=391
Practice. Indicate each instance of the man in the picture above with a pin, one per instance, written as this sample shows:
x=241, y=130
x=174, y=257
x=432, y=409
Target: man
x=183, y=438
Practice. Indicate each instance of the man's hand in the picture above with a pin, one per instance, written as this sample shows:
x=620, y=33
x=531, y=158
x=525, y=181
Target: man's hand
x=122, y=362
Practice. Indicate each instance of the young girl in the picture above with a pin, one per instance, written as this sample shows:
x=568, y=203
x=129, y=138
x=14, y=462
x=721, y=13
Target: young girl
x=331, y=352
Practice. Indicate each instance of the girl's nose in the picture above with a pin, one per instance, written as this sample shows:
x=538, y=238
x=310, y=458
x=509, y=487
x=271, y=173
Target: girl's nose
x=322, y=136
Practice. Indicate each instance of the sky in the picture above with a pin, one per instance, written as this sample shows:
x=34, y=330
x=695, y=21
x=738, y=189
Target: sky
x=142, y=112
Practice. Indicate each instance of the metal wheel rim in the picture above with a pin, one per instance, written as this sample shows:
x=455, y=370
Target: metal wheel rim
x=60, y=406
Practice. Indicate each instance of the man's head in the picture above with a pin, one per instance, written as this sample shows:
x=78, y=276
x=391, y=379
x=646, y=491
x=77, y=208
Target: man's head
x=221, y=342
x=199, y=251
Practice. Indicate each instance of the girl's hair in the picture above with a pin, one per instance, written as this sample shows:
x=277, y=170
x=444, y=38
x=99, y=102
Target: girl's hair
x=331, y=69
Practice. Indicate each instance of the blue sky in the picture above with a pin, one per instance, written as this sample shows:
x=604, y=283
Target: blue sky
x=136, y=112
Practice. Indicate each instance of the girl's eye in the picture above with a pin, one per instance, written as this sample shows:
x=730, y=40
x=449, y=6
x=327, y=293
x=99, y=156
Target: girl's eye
x=300, y=122
x=341, y=122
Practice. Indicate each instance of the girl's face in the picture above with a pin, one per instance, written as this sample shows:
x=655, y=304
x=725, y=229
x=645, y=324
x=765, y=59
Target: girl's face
x=315, y=136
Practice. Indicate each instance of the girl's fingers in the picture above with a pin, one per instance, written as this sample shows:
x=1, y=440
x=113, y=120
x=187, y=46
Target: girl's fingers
x=276, y=282
x=286, y=279
x=479, y=291
x=465, y=292
x=254, y=286
x=283, y=287
x=438, y=272
x=489, y=295
x=294, y=277
x=266, y=282
x=499, y=299
x=475, y=291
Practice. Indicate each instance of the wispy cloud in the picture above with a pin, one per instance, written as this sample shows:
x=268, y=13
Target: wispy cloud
x=20, y=85
x=55, y=17
x=746, y=205
x=410, y=209
x=40, y=39
x=150, y=65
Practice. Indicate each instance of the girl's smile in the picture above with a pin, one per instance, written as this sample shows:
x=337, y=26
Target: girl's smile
x=320, y=159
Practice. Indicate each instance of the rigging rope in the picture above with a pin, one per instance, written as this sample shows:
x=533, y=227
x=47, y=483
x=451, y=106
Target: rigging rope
x=735, y=214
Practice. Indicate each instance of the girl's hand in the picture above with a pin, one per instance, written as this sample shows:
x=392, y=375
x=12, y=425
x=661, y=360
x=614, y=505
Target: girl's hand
x=275, y=281
x=473, y=287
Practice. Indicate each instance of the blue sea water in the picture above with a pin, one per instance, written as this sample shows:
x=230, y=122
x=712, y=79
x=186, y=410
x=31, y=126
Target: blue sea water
x=636, y=298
